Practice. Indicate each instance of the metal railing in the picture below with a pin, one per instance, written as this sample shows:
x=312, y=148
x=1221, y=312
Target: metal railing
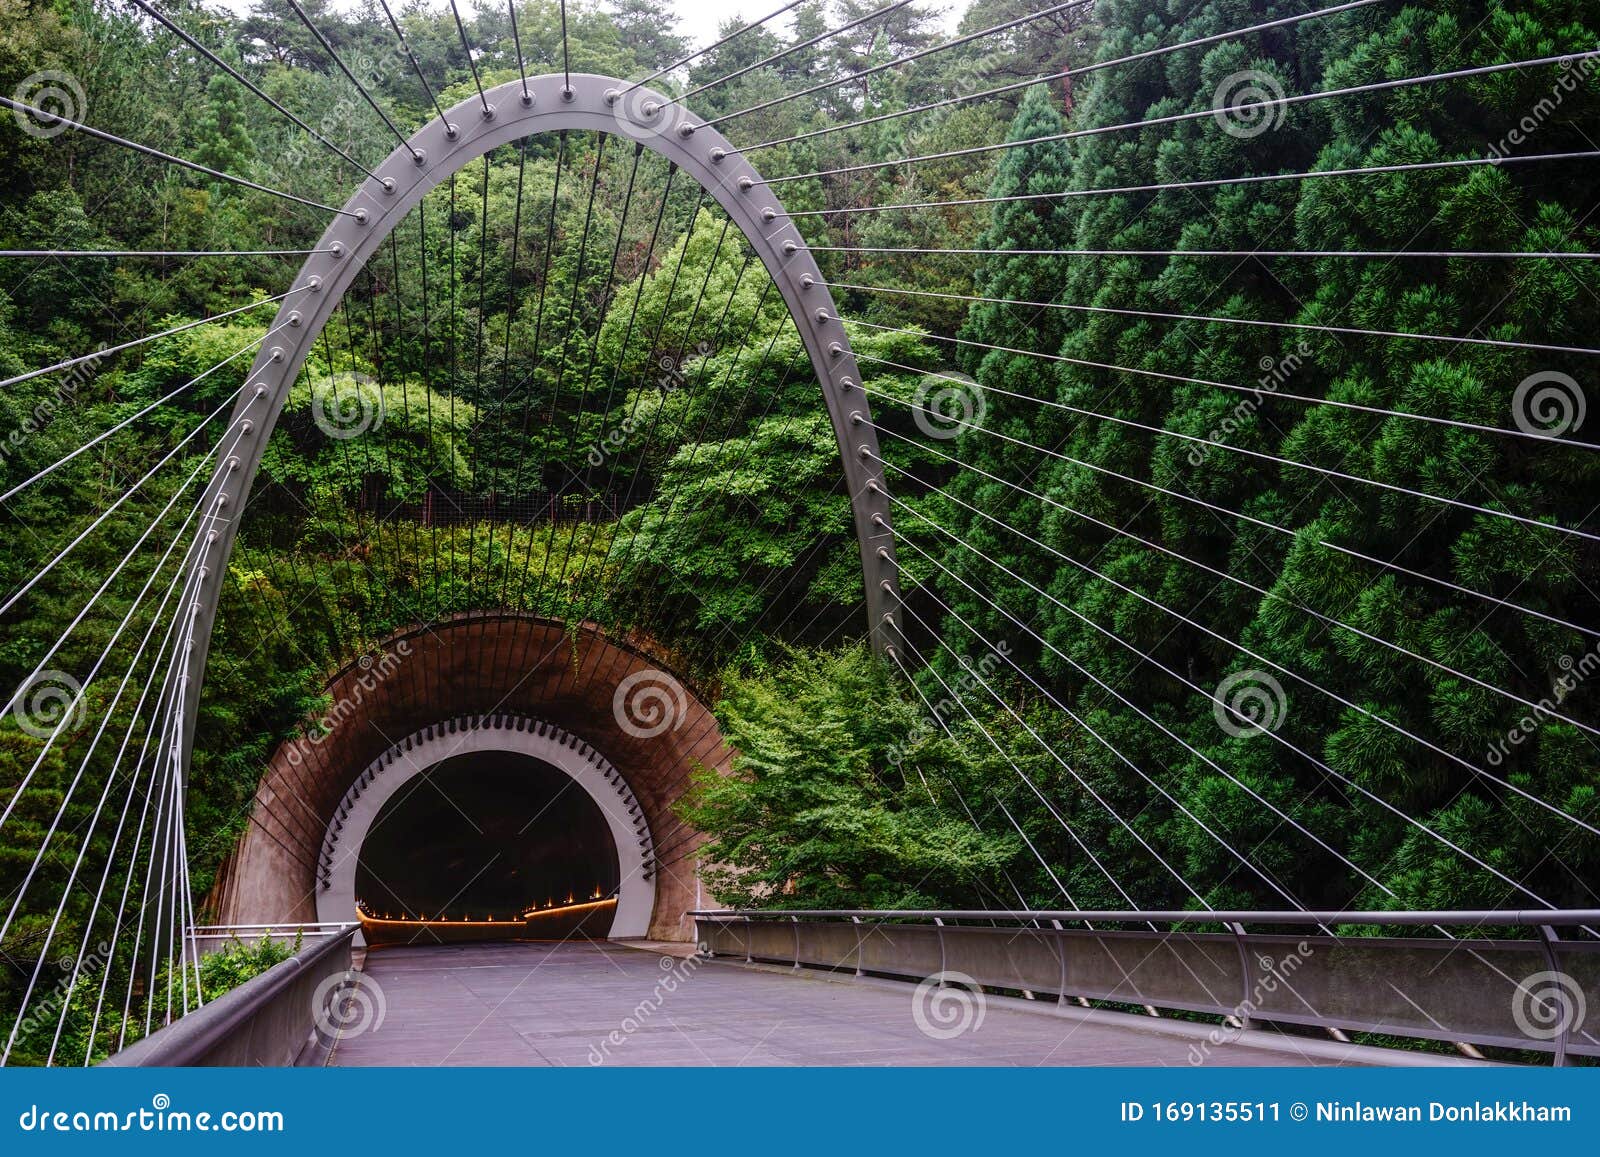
x=208, y=938
x=268, y=1020
x=1531, y=992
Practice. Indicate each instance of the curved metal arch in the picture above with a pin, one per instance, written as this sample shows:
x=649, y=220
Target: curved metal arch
x=443, y=147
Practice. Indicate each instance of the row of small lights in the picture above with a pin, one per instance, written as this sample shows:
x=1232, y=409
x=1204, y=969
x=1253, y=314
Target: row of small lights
x=548, y=906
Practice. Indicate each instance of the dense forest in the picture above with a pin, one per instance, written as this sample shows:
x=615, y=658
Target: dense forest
x=1134, y=472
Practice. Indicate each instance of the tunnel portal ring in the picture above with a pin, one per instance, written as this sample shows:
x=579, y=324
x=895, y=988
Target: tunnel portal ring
x=507, y=113
x=387, y=775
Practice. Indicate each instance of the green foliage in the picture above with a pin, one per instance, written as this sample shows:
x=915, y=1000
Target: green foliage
x=821, y=809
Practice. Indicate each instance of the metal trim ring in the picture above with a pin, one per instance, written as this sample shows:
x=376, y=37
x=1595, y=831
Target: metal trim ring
x=441, y=148
x=412, y=756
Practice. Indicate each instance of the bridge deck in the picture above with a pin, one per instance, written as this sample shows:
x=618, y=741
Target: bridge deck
x=559, y=1004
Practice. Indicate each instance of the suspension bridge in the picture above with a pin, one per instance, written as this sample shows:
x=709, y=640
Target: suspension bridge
x=436, y=538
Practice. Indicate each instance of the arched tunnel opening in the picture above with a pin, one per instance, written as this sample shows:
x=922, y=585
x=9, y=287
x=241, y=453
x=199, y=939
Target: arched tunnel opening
x=487, y=845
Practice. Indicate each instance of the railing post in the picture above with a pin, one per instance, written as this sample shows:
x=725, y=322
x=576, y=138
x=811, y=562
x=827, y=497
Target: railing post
x=1061, y=959
x=747, y=926
x=795, y=920
x=856, y=920
x=1244, y=975
x=1548, y=941
x=939, y=925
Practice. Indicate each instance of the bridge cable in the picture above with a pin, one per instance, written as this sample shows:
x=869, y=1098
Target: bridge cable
x=108, y=351
x=351, y=77
x=669, y=383
x=828, y=34
x=938, y=716
x=522, y=61
x=849, y=78
x=998, y=801
x=1125, y=824
x=603, y=585
x=657, y=604
x=607, y=298
x=51, y=118
x=650, y=250
x=1465, y=764
x=85, y=841
x=666, y=308
x=926, y=589
x=57, y=254
x=1209, y=183
x=622, y=357
x=1264, y=592
x=1319, y=764
x=1065, y=74
x=1325, y=471
x=1515, y=884
x=450, y=131
x=601, y=312
x=253, y=87
x=566, y=61
x=1267, y=878
x=693, y=56
x=472, y=63
x=573, y=323
x=1305, y=327
x=68, y=714
x=134, y=417
x=105, y=513
x=1242, y=254
x=1256, y=391
x=1564, y=60
x=527, y=383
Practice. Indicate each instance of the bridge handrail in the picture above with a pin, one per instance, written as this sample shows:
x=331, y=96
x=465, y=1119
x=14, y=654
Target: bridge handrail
x=1525, y=992
x=200, y=1037
x=1513, y=917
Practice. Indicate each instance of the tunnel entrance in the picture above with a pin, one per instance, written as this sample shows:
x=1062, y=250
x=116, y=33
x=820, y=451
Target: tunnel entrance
x=487, y=845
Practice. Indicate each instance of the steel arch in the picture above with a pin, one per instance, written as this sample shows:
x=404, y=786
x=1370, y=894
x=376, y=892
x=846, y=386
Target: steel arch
x=439, y=149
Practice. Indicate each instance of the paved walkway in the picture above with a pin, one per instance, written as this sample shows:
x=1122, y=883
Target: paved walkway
x=591, y=1004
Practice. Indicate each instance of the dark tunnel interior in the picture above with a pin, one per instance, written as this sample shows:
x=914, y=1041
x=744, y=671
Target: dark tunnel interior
x=486, y=834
